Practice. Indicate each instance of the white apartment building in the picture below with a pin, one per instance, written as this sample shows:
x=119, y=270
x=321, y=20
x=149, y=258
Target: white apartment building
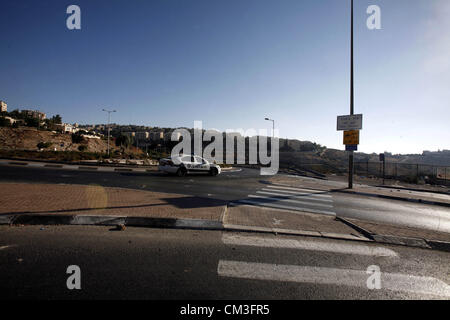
x=3, y=106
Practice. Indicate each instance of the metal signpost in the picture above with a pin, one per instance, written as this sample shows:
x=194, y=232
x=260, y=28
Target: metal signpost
x=351, y=122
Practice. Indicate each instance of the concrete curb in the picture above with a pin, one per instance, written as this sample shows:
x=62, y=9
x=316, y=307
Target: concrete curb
x=413, y=189
x=436, y=203
x=200, y=224
x=78, y=167
x=397, y=240
x=99, y=168
x=52, y=219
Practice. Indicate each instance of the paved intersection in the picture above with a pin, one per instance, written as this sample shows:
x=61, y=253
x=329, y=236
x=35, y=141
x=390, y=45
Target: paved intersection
x=184, y=264
x=290, y=198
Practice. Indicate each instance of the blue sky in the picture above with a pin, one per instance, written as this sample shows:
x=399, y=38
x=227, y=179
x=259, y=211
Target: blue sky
x=232, y=63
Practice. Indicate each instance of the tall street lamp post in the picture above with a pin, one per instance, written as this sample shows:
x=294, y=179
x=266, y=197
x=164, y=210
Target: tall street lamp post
x=109, y=120
x=350, y=158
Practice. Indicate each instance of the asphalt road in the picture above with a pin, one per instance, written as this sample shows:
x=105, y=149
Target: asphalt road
x=247, y=186
x=141, y=263
x=226, y=186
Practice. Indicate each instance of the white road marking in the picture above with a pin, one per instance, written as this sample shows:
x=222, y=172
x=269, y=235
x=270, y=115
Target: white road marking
x=291, y=201
x=310, y=191
x=7, y=246
x=280, y=206
x=33, y=164
x=296, y=196
x=311, y=194
x=335, y=247
x=320, y=275
x=276, y=222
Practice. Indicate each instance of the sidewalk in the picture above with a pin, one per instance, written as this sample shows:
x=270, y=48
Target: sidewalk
x=22, y=204
x=401, y=194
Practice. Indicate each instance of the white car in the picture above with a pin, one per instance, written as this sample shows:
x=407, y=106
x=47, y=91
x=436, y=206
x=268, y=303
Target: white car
x=188, y=164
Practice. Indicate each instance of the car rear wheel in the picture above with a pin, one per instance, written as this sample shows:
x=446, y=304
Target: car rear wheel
x=181, y=172
x=213, y=172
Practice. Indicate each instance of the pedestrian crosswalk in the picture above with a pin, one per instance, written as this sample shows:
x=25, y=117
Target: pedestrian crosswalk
x=350, y=275
x=291, y=198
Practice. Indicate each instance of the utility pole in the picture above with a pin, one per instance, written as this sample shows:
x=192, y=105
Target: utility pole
x=109, y=120
x=352, y=111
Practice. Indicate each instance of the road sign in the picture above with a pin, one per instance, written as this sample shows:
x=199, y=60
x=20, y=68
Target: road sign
x=351, y=147
x=353, y=122
x=351, y=137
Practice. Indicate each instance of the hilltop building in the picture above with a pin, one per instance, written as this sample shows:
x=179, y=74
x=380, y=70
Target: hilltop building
x=34, y=114
x=3, y=106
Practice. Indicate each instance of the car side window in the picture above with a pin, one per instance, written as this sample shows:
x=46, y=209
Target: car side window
x=186, y=159
x=198, y=160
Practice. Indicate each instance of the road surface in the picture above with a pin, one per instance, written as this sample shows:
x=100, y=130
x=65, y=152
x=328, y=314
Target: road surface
x=141, y=263
x=248, y=187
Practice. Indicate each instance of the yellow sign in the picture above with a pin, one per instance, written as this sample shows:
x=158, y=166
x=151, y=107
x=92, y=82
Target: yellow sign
x=351, y=137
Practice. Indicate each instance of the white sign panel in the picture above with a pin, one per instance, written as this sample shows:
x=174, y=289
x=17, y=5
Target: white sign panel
x=345, y=123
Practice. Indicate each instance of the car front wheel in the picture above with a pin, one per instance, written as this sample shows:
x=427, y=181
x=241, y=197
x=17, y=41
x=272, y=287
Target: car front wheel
x=213, y=172
x=181, y=172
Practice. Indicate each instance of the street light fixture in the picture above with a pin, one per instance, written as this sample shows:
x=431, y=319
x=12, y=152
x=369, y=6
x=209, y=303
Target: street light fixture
x=273, y=127
x=109, y=120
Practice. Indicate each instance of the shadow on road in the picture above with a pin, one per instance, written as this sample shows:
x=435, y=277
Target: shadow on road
x=179, y=203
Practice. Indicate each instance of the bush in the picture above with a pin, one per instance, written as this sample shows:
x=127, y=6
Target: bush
x=44, y=145
x=4, y=122
x=77, y=138
x=123, y=141
x=32, y=122
x=82, y=148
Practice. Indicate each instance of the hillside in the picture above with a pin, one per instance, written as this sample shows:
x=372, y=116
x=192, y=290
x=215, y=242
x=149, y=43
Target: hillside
x=27, y=139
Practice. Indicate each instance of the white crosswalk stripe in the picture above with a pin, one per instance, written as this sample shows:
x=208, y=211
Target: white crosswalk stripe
x=335, y=247
x=349, y=276
x=290, y=198
x=294, y=196
x=334, y=276
x=308, y=191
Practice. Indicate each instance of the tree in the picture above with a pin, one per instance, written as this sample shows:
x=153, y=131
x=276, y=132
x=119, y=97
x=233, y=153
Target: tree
x=123, y=141
x=16, y=114
x=31, y=122
x=77, y=138
x=56, y=119
x=4, y=122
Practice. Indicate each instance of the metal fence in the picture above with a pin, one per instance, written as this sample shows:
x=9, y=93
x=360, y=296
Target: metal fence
x=407, y=172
